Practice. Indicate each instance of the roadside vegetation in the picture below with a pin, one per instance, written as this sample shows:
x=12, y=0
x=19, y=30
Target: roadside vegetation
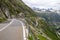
x=2, y=19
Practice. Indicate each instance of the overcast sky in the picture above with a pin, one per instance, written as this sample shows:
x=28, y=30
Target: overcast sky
x=55, y=4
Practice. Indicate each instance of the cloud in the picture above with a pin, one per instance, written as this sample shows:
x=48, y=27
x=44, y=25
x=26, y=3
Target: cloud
x=43, y=3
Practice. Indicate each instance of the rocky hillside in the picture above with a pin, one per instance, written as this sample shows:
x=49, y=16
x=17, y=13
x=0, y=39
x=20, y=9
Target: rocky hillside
x=52, y=17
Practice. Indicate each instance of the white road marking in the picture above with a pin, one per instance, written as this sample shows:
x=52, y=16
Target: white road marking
x=7, y=25
x=24, y=36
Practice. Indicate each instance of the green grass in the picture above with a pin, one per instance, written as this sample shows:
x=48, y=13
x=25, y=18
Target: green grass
x=30, y=38
x=41, y=37
x=51, y=35
x=36, y=37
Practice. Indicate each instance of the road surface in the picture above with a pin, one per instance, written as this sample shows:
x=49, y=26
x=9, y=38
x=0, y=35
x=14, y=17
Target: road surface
x=13, y=32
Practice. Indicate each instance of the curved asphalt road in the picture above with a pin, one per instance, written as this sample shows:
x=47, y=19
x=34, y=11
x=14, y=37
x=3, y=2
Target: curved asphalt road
x=13, y=32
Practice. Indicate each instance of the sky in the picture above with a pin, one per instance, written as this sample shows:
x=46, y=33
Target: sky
x=55, y=4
